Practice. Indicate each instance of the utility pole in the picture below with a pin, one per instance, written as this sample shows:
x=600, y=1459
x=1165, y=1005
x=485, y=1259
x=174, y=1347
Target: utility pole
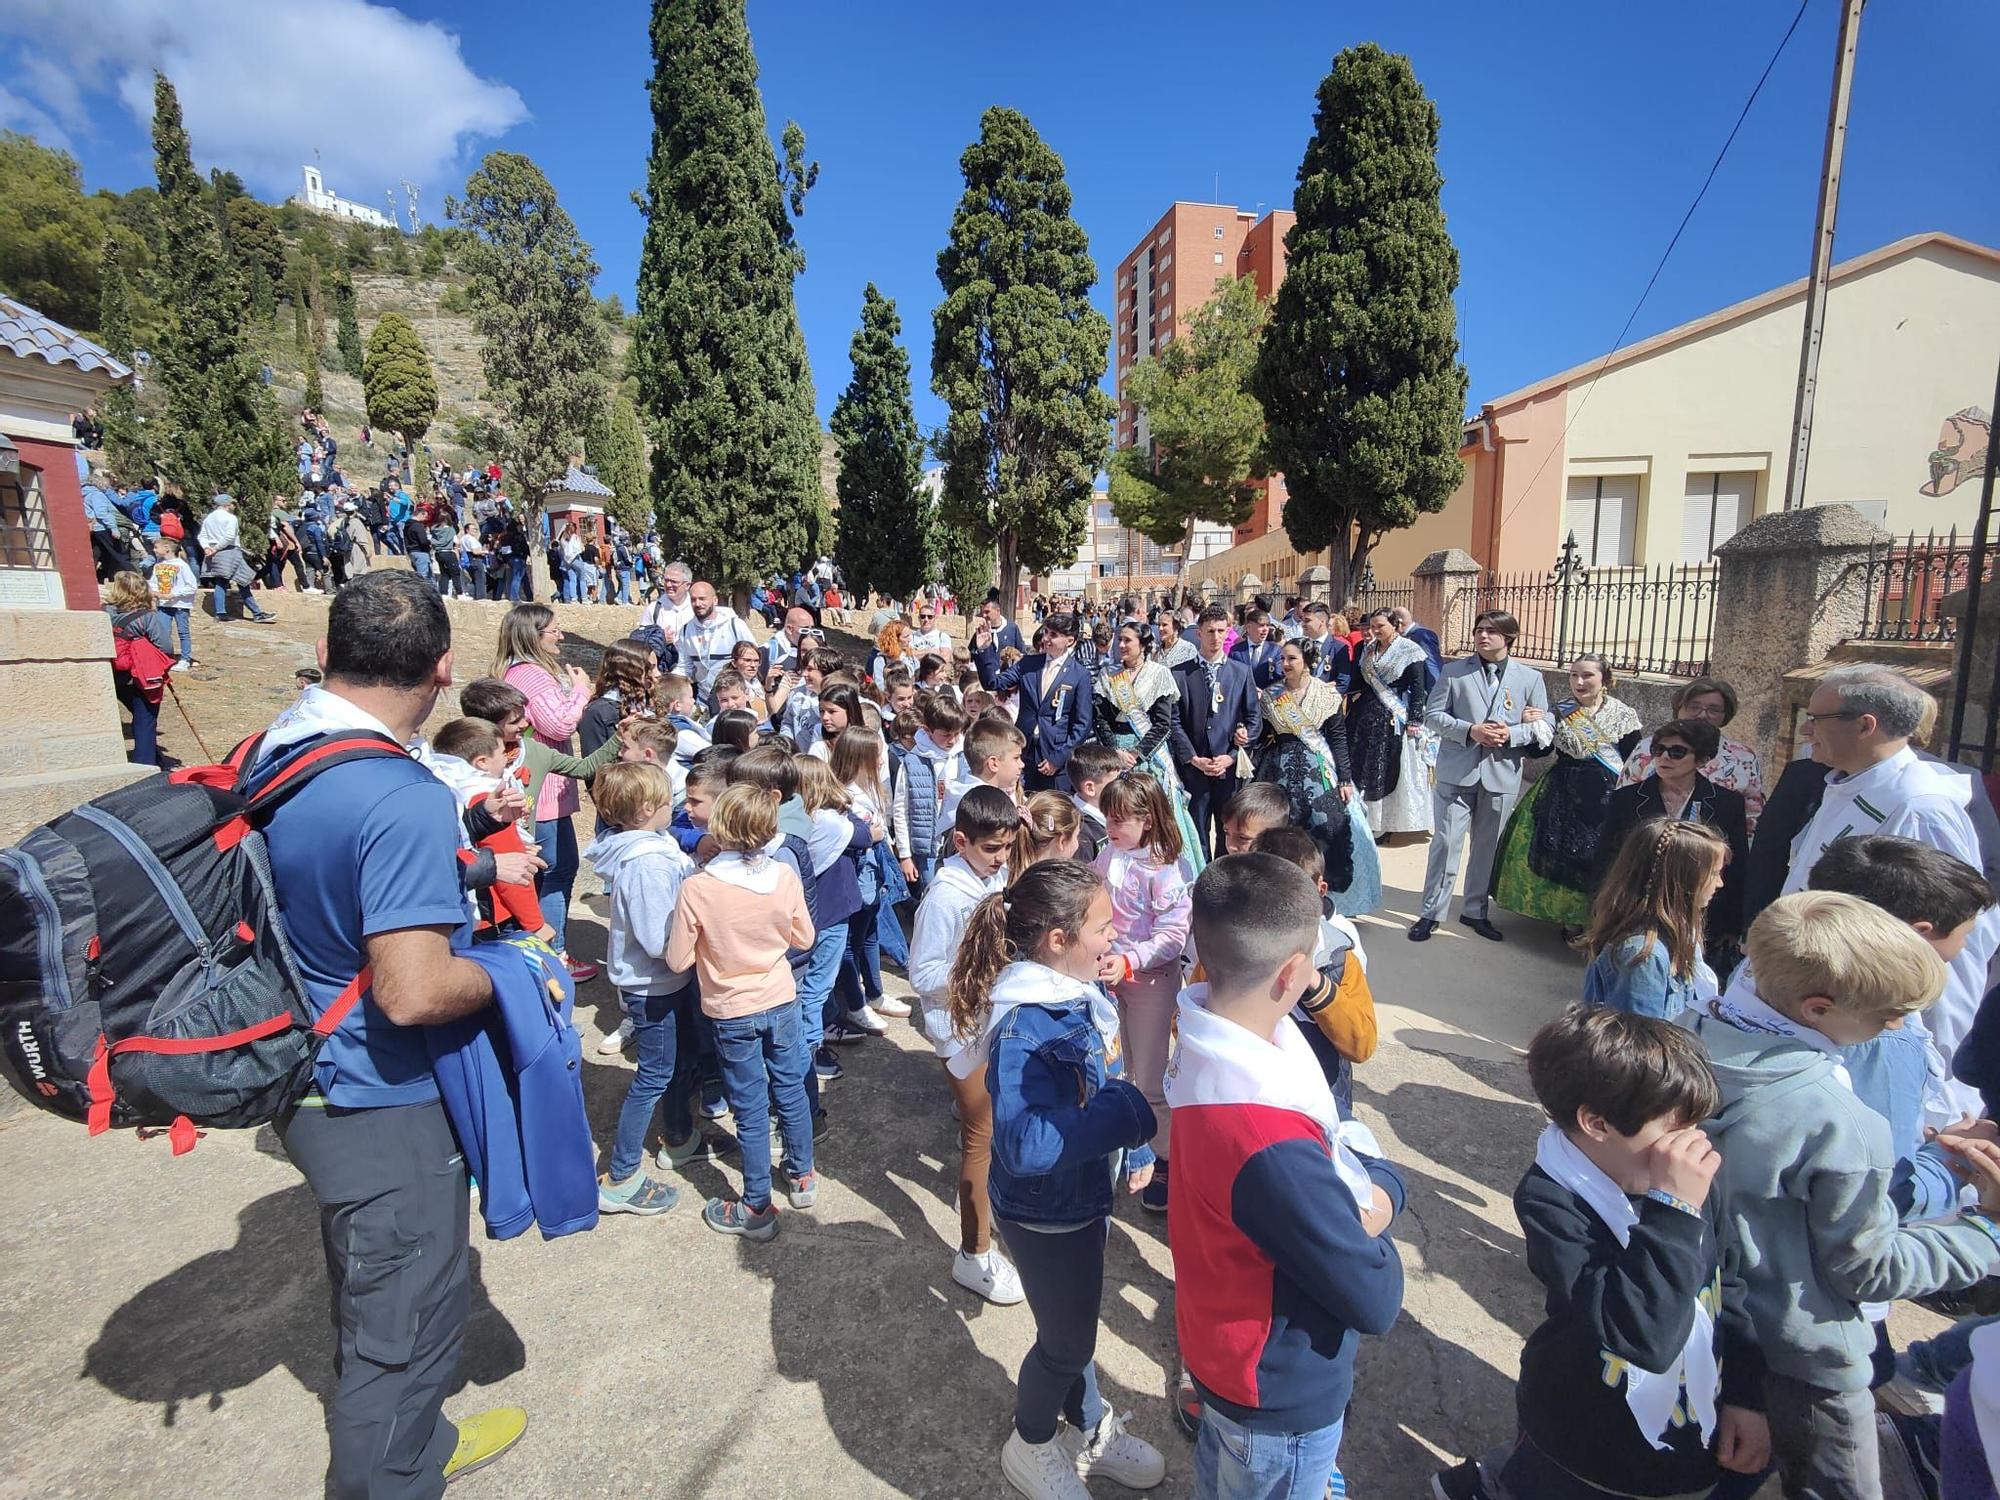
x=1822, y=253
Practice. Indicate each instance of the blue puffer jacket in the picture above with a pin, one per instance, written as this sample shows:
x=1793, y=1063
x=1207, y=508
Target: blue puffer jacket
x=511, y=1079
x=1062, y=1116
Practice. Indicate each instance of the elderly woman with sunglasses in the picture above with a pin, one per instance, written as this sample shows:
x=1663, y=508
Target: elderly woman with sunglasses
x=1677, y=787
x=1734, y=765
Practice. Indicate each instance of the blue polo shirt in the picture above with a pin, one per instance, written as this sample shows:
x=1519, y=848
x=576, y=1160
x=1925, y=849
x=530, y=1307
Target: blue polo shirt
x=367, y=847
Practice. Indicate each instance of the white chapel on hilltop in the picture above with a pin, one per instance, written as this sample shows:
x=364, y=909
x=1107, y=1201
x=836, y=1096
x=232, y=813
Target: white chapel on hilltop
x=315, y=196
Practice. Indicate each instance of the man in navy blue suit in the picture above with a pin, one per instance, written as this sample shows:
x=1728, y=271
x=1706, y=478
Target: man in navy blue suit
x=1054, y=710
x=1219, y=714
x=1259, y=648
x=1421, y=635
x=1336, y=661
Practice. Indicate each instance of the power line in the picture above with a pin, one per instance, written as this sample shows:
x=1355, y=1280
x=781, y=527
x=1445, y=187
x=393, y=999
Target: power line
x=1631, y=317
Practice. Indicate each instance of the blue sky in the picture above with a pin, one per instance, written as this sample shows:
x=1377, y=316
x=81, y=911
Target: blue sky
x=1574, y=134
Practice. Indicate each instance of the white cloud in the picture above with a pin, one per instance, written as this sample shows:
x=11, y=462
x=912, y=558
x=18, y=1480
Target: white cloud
x=28, y=117
x=265, y=83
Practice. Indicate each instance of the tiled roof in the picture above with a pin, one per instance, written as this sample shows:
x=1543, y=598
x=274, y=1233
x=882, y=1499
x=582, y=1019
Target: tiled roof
x=576, y=482
x=26, y=333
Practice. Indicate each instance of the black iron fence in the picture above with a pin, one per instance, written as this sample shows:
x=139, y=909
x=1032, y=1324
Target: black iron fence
x=1909, y=580
x=1659, y=619
x=1371, y=598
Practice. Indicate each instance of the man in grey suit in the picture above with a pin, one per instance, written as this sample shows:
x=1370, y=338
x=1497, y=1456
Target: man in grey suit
x=1485, y=709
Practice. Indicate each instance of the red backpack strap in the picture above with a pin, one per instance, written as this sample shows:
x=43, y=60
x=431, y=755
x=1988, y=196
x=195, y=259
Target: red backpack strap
x=344, y=1002
x=323, y=755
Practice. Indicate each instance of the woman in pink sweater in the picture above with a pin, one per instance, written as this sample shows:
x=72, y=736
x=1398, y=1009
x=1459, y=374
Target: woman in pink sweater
x=557, y=696
x=734, y=922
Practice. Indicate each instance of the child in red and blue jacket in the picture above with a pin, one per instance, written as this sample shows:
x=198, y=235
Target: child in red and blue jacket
x=1277, y=1224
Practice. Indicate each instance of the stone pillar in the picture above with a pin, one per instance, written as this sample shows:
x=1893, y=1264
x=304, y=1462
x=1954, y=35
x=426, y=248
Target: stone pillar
x=1790, y=587
x=1247, y=587
x=58, y=757
x=1315, y=585
x=1444, y=583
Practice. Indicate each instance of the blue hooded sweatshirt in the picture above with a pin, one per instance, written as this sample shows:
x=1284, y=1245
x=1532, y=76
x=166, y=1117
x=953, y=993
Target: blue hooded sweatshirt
x=511, y=1080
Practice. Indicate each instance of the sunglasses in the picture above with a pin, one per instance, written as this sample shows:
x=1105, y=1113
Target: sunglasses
x=1675, y=752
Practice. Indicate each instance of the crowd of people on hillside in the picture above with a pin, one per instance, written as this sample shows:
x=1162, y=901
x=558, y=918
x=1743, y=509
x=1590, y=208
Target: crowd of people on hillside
x=1119, y=864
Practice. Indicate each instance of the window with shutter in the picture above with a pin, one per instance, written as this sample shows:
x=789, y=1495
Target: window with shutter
x=1716, y=508
x=1602, y=510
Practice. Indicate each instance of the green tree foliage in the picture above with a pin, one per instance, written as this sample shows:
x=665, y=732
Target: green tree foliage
x=357, y=248
x=616, y=448
x=952, y=555
x=1018, y=353
x=123, y=435
x=723, y=378
x=347, y=327
x=315, y=393
x=1359, y=373
x=220, y=429
x=401, y=262
x=263, y=298
x=881, y=509
x=396, y=379
x=255, y=237
x=51, y=237
x=530, y=281
x=316, y=307
x=431, y=259
x=1206, y=429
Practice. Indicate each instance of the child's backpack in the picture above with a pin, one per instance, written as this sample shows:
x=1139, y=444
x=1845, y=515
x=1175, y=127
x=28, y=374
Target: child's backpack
x=170, y=524
x=134, y=653
x=144, y=976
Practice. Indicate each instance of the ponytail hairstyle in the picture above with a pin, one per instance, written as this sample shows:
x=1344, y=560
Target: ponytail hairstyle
x=819, y=789
x=626, y=666
x=1654, y=887
x=1053, y=896
x=1049, y=819
x=1136, y=794
x=856, y=760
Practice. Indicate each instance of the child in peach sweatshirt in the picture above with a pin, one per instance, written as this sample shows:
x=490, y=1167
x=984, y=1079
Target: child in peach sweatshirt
x=734, y=922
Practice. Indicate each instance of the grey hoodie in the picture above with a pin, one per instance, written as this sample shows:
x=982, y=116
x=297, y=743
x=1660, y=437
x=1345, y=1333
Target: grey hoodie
x=1805, y=1174
x=644, y=871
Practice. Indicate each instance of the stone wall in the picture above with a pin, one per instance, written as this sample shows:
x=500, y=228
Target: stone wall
x=58, y=715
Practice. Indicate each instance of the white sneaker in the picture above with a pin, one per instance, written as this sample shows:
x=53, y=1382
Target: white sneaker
x=616, y=1041
x=312, y=591
x=866, y=1020
x=1041, y=1471
x=180, y=666
x=891, y=1007
x=1114, y=1453
x=989, y=1275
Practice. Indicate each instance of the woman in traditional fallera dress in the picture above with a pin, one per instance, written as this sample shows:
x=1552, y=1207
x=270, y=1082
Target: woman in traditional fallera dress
x=1136, y=702
x=1548, y=852
x=1392, y=750
x=1307, y=757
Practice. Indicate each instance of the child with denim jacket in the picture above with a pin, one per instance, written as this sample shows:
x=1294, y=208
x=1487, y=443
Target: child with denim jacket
x=1047, y=1037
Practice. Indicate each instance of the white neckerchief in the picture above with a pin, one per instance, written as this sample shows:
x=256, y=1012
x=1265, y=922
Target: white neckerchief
x=1219, y=1062
x=1652, y=1397
x=1742, y=1007
x=756, y=873
x=316, y=712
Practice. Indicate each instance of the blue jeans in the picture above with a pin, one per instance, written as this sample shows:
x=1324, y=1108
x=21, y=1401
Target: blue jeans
x=183, y=622
x=420, y=564
x=516, y=571
x=1063, y=1276
x=816, y=981
x=556, y=840
x=1233, y=1463
x=663, y=1034
x=860, y=979
x=625, y=590
x=763, y=1056
x=145, y=724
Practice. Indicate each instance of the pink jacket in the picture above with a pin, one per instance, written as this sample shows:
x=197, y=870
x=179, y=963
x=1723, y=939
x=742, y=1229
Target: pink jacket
x=1151, y=906
x=553, y=712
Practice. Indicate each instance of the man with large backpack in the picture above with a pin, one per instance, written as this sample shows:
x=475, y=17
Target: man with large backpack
x=365, y=862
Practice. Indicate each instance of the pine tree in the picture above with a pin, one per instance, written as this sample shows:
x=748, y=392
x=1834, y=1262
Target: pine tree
x=396, y=379
x=347, y=334
x=723, y=376
x=530, y=278
x=123, y=436
x=880, y=451
x=1207, y=430
x=219, y=430
x=1359, y=374
x=1017, y=354
x=616, y=448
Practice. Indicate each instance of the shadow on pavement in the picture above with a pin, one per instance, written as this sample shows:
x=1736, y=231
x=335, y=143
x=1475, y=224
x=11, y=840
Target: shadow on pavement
x=230, y=1317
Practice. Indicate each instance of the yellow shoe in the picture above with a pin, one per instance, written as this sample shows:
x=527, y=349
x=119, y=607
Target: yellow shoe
x=483, y=1438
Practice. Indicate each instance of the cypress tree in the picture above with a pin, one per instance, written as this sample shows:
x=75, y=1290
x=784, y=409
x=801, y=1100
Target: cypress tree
x=1017, y=354
x=1358, y=373
x=530, y=275
x=347, y=327
x=219, y=430
x=122, y=433
x=263, y=298
x=396, y=379
x=881, y=509
x=723, y=377
x=315, y=394
x=616, y=448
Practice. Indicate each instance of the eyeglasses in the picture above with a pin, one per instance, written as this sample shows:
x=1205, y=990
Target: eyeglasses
x=1845, y=713
x=1674, y=752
